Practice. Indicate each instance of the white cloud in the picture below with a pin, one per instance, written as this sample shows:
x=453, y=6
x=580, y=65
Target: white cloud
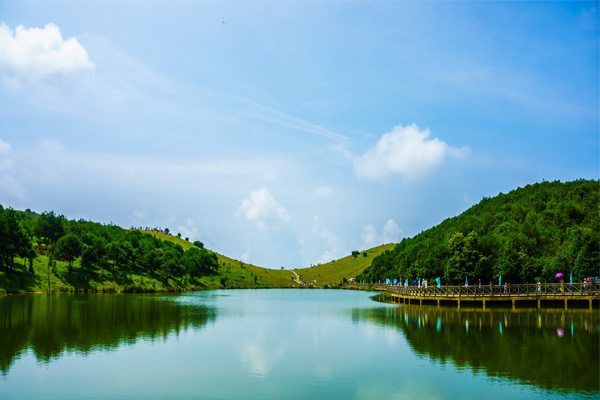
x=277, y=117
x=128, y=175
x=51, y=145
x=4, y=148
x=327, y=256
x=140, y=215
x=38, y=54
x=323, y=191
x=391, y=234
x=11, y=188
x=406, y=151
x=189, y=230
x=332, y=242
x=246, y=256
x=261, y=208
x=5, y=159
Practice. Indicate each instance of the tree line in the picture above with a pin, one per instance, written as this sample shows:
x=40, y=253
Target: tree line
x=100, y=249
x=527, y=235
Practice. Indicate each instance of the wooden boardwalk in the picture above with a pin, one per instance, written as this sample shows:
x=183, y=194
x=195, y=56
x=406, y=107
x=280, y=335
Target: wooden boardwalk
x=547, y=294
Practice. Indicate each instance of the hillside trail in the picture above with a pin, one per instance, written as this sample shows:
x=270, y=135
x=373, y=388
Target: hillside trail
x=297, y=276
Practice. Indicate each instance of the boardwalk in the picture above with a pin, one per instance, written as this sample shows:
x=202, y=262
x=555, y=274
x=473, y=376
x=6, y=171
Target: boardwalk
x=587, y=294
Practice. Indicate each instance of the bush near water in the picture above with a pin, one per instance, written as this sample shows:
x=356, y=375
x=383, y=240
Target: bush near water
x=529, y=234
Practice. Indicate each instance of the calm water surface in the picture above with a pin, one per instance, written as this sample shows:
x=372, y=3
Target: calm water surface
x=293, y=344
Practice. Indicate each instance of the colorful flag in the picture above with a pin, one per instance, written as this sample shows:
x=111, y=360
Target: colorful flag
x=466, y=281
x=439, y=281
x=500, y=280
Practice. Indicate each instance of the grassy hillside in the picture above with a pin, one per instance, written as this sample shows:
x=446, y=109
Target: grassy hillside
x=344, y=268
x=236, y=273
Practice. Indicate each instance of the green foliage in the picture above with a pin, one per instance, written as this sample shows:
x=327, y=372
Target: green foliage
x=69, y=248
x=14, y=239
x=50, y=227
x=82, y=255
x=528, y=234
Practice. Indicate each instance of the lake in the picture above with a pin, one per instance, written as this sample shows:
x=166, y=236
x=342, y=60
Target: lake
x=292, y=344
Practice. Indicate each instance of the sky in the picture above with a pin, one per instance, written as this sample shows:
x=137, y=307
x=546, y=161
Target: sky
x=290, y=133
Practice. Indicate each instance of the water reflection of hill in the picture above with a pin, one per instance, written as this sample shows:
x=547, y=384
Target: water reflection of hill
x=556, y=350
x=52, y=325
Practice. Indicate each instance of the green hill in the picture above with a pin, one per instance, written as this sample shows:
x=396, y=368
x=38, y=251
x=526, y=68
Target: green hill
x=47, y=252
x=334, y=272
x=529, y=234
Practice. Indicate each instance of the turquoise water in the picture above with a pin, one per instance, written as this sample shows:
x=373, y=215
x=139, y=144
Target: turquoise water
x=293, y=344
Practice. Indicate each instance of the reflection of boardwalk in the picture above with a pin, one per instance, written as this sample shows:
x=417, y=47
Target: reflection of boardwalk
x=576, y=293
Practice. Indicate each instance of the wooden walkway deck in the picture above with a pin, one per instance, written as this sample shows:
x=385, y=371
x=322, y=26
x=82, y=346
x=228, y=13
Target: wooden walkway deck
x=547, y=294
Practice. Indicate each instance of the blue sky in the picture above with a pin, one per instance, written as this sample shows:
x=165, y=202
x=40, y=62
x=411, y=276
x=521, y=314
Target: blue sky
x=291, y=133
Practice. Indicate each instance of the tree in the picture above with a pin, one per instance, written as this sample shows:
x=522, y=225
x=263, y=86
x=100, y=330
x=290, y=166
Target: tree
x=116, y=253
x=50, y=227
x=31, y=255
x=13, y=238
x=192, y=262
x=199, y=244
x=465, y=256
x=69, y=248
x=355, y=253
x=89, y=258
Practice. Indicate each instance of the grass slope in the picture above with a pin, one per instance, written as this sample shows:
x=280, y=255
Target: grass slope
x=236, y=273
x=335, y=271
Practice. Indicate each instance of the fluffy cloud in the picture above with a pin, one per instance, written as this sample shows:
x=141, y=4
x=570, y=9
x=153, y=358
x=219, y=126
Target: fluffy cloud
x=5, y=160
x=333, y=243
x=323, y=191
x=37, y=54
x=261, y=208
x=4, y=148
x=391, y=234
x=189, y=230
x=406, y=151
x=11, y=189
x=51, y=145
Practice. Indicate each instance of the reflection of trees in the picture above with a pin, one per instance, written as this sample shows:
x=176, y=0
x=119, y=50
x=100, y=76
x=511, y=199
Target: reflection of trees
x=551, y=349
x=82, y=323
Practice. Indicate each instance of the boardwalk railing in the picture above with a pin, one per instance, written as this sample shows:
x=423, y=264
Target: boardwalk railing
x=532, y=290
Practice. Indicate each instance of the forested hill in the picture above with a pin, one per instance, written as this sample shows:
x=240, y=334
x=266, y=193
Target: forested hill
x=48, y=252
x=529, y=234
